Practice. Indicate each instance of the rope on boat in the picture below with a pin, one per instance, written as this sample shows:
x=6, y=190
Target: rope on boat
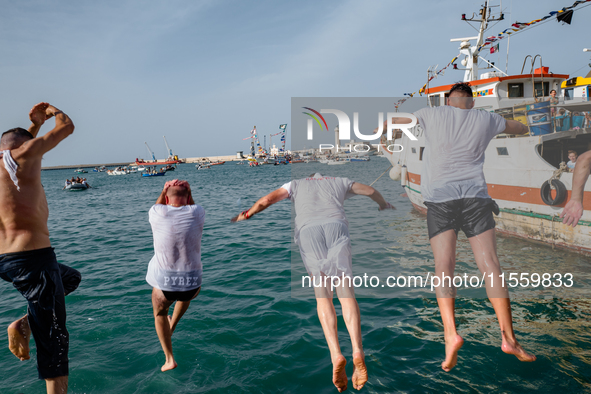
x=391, y=165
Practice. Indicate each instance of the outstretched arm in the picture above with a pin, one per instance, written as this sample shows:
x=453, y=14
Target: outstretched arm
x=515, y=127
x=364, y=190
x=574, y=208
x=262, y=204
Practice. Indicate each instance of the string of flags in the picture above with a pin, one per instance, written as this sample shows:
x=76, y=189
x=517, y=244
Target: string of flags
x=563, y=15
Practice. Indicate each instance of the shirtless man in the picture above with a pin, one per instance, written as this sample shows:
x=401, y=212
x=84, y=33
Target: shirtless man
x=456, y=195
x=27, y=259
x=322, y=234
x=573, y=210
x=175, y=270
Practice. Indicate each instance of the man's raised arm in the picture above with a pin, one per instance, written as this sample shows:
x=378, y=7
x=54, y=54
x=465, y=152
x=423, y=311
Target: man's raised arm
x=38, y=116
x=63, y=128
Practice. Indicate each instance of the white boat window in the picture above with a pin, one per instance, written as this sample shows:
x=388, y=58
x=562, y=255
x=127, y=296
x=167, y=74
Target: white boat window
x=413, y=150
x=434, y=101
x=421, y=153
x=568, y=94
x=502, y=151
x=515, y=89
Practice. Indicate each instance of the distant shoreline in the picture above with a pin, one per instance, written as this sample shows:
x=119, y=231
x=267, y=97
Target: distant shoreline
x=127, y=163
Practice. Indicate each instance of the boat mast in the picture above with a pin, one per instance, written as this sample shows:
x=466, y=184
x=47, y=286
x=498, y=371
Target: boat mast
x=471, y=52
x=150, y=151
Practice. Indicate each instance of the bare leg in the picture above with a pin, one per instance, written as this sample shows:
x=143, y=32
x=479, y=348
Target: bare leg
x=484, y=247
x=328, y=320
x=179, y=310
x=444, y=252
x=160, y=305
x=57, y=385
x=19, y=335
x=352, y=318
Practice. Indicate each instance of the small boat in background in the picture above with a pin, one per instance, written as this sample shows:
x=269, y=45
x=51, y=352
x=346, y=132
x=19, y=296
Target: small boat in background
x=217, y=163
x=168, y=168
x=337, y=162
x=118, y=171
x=204, y=166
x=75, y=187
x=80, y=171
x=146, y=174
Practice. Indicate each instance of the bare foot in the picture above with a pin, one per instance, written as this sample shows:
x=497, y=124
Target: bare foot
x=515, y=349
x=359, y=377
x=339, y=375
x=19, y=335
x=170, y=364
x=452, y=345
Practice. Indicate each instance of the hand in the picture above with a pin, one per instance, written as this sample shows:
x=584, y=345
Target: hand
x=50, y=111
x=572, y=213
x=169, y=184
x=387, y=206
x=238, y=218
x=38, y=114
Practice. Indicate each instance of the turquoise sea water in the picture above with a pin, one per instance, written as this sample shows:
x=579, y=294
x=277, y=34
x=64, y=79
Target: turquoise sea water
x=252, y=329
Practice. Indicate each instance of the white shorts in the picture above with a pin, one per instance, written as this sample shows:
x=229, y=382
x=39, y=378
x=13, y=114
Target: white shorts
x=326, y=249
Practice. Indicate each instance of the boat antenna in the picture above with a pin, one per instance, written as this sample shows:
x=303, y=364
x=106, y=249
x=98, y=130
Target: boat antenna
x=472, y=52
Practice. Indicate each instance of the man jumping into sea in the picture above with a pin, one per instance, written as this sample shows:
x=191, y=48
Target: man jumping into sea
x=175, y=270
x=322, y=234
x=456, y=195
x=27, y=259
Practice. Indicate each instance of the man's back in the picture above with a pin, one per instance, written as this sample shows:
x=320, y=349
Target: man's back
x=177, y=236
x=320, y=199
x=24, y=213
x=454, y=154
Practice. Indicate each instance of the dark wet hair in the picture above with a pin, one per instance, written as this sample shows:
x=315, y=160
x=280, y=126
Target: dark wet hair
x=20, y=132
x=463, y=88
x=14, y=138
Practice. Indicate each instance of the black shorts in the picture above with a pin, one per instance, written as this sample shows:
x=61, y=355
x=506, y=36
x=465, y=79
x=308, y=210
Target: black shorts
x=180, y=295
x=44, y=282
x=471, y=215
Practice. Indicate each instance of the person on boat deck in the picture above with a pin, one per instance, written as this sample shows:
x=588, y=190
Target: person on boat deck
x=572, y=157
x=322, y=234
x=455, y=193
x=175, y=270
x=573, y=210
x=27, y=259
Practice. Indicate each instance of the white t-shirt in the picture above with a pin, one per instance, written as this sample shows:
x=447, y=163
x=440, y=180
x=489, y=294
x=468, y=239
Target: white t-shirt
x=176, y=265
x=571, y=165
x=454, y=153
x=319, y=200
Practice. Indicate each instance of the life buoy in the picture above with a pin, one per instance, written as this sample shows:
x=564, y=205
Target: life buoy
x=546, y=192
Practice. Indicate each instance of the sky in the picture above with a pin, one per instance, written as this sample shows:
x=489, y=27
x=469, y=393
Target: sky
x=203, y=73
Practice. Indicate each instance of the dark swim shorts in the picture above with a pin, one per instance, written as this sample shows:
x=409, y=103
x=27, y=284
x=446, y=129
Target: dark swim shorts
x=471, y=215
x=180, y=295
x=44, y=282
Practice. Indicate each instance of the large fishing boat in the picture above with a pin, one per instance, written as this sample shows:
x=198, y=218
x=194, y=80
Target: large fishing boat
x=526, y=175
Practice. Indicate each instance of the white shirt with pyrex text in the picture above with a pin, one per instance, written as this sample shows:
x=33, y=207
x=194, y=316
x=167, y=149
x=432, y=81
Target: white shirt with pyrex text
x=454, y=153
x=319, y=200
x=176, y=265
